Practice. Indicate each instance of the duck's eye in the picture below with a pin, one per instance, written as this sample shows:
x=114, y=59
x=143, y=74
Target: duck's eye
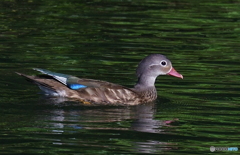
x=163, y=63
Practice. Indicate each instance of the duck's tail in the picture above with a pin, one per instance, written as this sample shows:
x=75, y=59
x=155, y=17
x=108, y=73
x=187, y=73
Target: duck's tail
x=47, y=84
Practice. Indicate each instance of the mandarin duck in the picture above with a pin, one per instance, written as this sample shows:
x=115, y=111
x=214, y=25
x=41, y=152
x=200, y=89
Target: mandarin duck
x=90, y=91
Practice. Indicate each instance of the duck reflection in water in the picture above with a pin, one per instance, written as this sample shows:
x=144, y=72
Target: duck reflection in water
x=113, y=122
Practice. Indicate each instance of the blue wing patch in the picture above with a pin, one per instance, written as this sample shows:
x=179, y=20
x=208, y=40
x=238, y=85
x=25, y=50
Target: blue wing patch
x=76, y=86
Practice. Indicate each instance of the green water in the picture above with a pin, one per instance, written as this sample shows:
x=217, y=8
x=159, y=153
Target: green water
x=105, y=40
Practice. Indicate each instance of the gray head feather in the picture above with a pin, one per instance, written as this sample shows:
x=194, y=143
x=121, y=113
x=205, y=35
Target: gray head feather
x=144, y=65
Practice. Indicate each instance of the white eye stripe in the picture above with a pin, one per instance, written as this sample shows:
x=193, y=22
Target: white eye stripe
x=163, y=61
x=154, y=65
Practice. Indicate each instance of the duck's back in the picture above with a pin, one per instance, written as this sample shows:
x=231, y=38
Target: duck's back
x=107, y=93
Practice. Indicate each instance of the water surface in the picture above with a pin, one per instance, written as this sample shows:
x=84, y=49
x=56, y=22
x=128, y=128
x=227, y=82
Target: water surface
x=105, y=40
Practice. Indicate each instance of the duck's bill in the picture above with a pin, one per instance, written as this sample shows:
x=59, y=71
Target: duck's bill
x=173, y=72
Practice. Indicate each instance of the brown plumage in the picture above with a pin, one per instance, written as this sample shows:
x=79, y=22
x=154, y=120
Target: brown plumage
x=91, y=91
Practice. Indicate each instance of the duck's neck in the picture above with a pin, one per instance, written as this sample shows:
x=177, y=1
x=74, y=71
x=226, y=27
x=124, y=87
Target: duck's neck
x=145, y=88
x=145, y=82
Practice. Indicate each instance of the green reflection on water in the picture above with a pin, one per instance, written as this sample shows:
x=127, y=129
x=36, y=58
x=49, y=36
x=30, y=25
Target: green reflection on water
x=106, y=40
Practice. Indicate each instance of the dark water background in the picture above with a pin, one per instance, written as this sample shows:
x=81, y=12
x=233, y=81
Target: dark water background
x=105, y=40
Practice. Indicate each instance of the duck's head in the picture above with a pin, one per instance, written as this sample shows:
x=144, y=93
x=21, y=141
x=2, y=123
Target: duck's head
x=154, y=65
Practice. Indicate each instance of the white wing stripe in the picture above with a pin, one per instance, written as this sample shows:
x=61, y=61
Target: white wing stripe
x=63, y=80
